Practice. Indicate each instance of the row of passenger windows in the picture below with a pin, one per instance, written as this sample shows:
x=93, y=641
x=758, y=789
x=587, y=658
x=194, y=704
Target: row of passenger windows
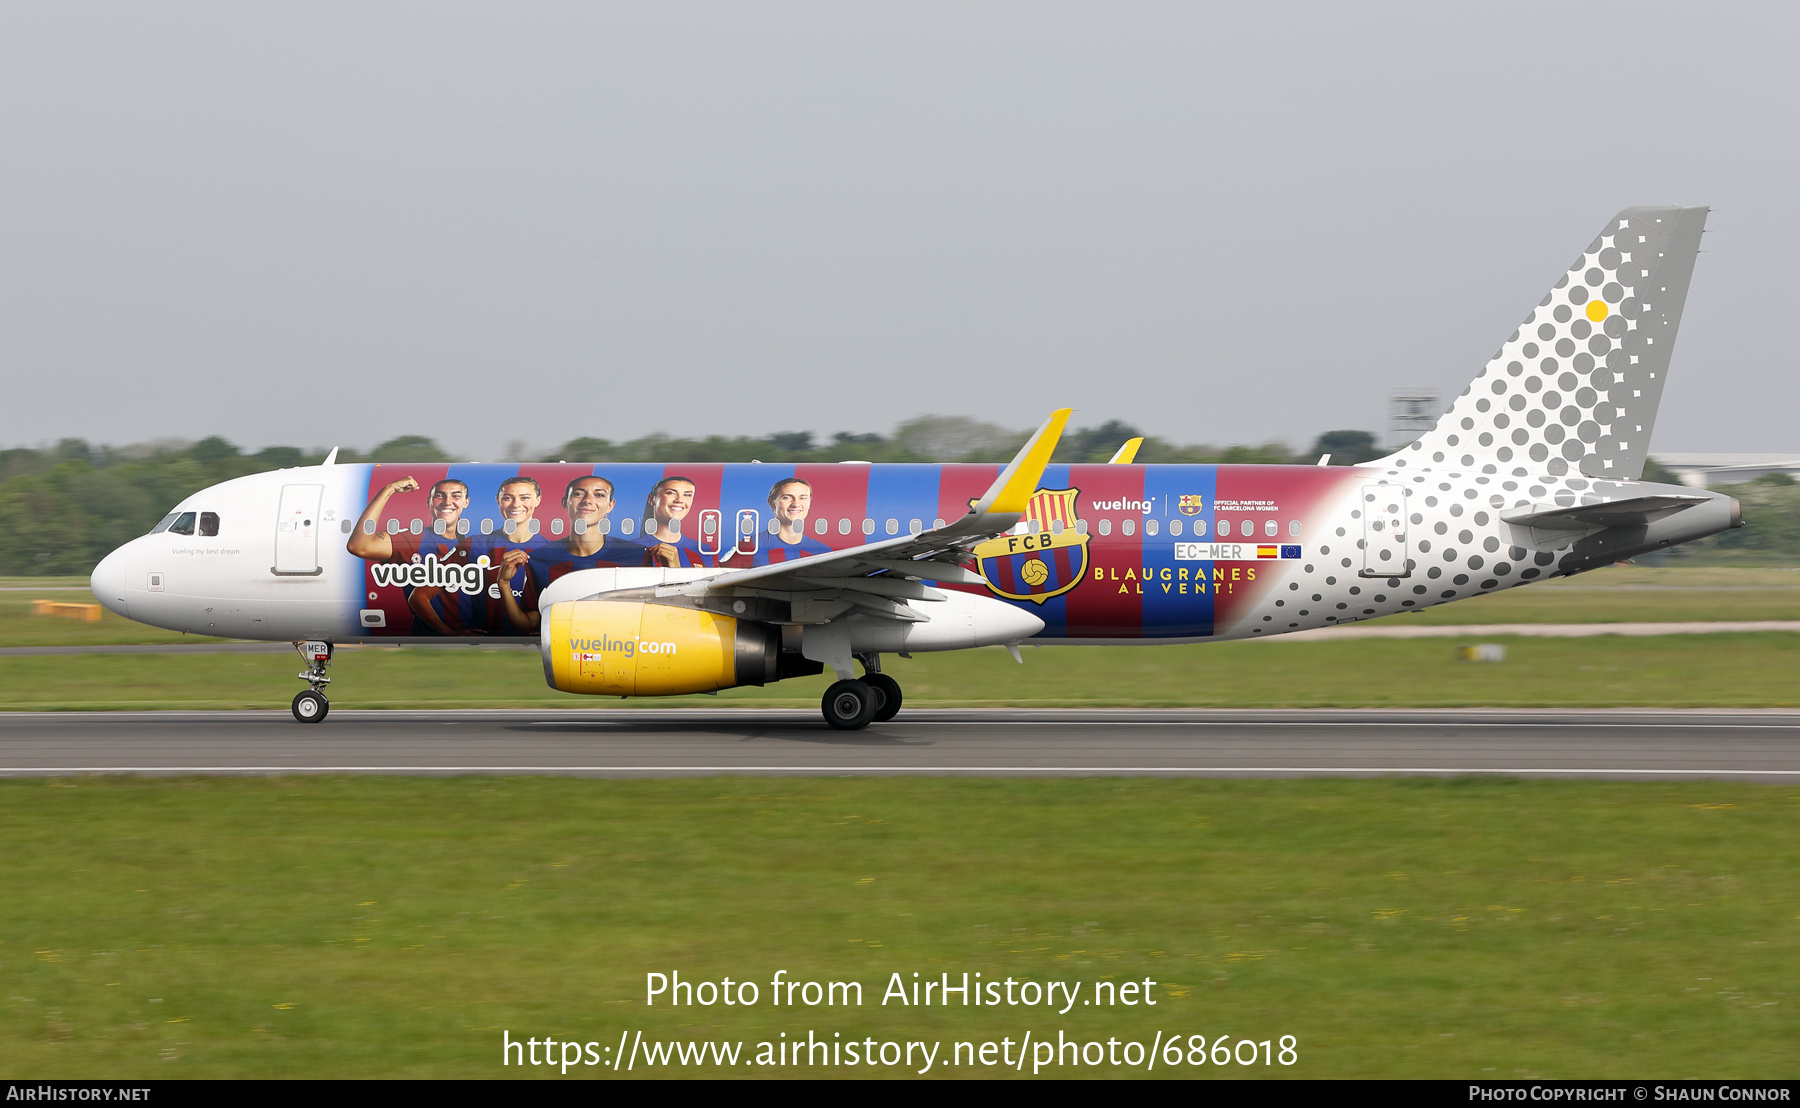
x=185, y=523
x=1248, y=528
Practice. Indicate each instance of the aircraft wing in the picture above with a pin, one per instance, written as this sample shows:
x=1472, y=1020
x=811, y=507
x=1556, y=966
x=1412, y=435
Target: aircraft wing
x=1633, y=512
x=878, y=578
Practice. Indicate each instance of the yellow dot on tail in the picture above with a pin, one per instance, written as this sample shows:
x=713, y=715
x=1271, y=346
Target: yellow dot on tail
x=1596, y=310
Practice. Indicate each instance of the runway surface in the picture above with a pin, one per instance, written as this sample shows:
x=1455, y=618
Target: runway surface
x=1319, y=634
x=1749, y=745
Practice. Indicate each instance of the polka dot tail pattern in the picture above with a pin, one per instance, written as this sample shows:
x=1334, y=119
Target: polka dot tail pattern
x=1575, y=389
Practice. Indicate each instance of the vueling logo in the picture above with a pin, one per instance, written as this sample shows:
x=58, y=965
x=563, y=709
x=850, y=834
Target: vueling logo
x=453, y=576
x=590, y=650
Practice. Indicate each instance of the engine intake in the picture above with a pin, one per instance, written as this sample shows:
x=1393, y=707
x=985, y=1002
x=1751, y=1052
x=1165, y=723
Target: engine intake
x=630, y=648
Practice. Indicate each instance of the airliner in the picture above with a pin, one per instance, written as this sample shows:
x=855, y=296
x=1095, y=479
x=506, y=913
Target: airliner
x=660, y=580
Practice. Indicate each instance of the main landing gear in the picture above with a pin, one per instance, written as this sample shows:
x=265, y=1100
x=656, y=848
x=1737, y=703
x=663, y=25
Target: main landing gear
x=853, y=705
x=311, y=705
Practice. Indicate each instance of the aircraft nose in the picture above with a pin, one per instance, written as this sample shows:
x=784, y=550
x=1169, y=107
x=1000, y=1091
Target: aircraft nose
x=108, y=583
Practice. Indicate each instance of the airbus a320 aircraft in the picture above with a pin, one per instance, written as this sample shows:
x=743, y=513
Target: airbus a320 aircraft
x=656, y=580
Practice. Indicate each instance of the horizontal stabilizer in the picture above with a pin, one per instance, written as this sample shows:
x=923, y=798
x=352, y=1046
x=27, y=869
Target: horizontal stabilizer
x=1635, y=512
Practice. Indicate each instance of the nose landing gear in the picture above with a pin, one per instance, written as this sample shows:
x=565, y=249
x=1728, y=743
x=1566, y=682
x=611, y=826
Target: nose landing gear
x=311, y=705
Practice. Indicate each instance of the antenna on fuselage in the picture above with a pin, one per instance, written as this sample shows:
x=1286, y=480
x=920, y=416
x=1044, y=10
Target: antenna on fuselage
x=331, y=458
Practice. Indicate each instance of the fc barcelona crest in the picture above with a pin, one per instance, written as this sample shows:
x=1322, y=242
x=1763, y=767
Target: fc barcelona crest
x=1191, y=505
x=1048, y=560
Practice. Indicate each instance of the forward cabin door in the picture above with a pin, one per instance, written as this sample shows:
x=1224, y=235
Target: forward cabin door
x=297, y=531
x=1384, y=531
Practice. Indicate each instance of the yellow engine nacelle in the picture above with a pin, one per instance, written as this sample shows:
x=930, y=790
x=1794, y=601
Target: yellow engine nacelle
x=629, y=648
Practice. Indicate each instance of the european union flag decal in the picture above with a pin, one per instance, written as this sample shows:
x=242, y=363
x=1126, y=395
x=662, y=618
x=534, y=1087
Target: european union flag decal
x=1290, y=552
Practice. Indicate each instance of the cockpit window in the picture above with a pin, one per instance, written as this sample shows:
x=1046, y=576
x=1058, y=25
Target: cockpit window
x=163, y=524
x=183, y=525
x=209, y=524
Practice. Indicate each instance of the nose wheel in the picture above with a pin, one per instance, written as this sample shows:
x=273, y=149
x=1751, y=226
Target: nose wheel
x=311, y=705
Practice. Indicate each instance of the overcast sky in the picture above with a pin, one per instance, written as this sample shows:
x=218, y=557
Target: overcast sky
x=324, y=223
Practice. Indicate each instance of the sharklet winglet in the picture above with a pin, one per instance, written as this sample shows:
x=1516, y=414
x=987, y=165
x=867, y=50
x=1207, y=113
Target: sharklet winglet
x=1011, y=491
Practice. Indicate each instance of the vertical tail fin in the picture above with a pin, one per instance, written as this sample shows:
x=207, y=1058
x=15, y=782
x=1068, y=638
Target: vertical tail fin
x=1578, y=384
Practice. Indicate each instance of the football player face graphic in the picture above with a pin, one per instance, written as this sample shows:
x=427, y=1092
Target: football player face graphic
x=518, y=501
x=589, y=499
x=673, y=500
x=449, y=499
x=789, y=503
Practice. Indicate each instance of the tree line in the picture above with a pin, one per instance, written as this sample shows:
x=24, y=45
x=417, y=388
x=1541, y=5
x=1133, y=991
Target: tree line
x=73, y=503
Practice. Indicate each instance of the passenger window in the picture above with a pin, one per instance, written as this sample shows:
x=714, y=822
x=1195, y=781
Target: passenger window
x=1081, y=527
x=1270, y=528
x=183, y=525
x=1151, y=527
x=605, y=526
x=393, y=527
x=774, y=526
x=1294, y=528
x=843, y=527
x=487, y=527
x=209, y=524
x=1106, y=527
x=893, y=527
x=349, y=526
x=555, y=526
x=627, y=527
x=868, y=526
x=580, y=526
x=937, y=525
x=462, y=526
x=1199, y=527
x=509, y=526
x=915, y=526
x=1056, y=527
x=1129, y=527
x=417, y=526
x=438, y=527
x=1174, y=527
x=821, y=526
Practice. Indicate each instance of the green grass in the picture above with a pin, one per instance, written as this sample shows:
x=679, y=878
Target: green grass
x=18, y=627
x=319, y=926
x=1631, y=594
x=1725, y=670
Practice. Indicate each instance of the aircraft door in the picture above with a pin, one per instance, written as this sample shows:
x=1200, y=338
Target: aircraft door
x=1384, y=531
x=297, y=531
x=749, y=525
